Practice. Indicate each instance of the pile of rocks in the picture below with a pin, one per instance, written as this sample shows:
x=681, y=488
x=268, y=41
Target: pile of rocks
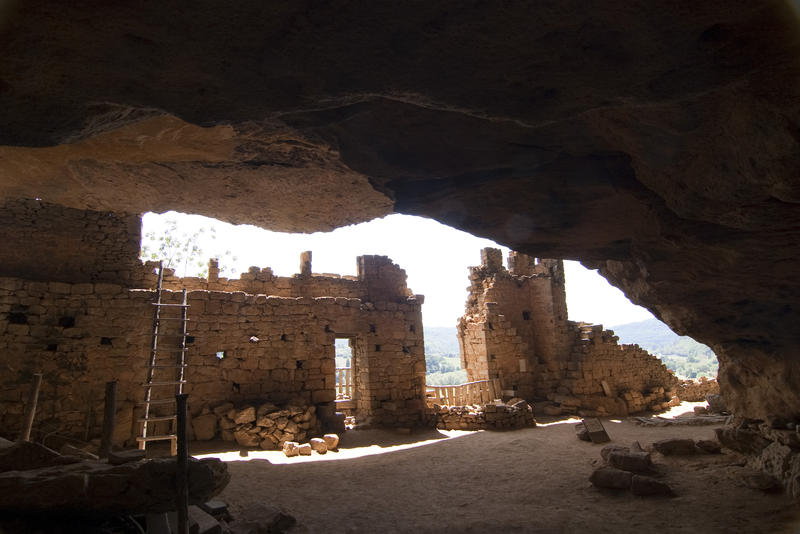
x=267, y=426
x=492, y=416
x=328, y=442
x=629, y=468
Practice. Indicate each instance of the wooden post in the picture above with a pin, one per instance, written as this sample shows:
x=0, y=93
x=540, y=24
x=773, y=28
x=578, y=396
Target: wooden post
x=182, y=468
x=109, y=419
x=30, y=409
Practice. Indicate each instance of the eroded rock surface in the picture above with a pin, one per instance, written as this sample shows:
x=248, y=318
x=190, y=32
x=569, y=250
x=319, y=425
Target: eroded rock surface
x=658, y=143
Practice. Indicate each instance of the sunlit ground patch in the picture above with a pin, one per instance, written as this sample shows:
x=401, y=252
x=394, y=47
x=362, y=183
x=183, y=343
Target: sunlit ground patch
x=343, y=453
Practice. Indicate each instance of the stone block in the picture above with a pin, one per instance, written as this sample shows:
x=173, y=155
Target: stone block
x=319, y=445
x=245, y=415
x=304, y=449
x=291, y=448
x=331, y=440
x=608, y=477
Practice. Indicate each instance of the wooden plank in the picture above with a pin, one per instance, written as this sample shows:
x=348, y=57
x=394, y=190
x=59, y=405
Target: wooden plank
x=607, y=389
x=597, y=433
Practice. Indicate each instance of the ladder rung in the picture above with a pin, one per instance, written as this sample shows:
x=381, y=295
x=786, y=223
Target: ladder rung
x=157, y=418
x=175, y=365
x=173, y=319
x=169, y=383
x=157, y=438
x=157, y=401
x=170, y=305
x=172, y=350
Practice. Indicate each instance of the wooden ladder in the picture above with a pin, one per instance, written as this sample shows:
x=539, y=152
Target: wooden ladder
x=165, y=369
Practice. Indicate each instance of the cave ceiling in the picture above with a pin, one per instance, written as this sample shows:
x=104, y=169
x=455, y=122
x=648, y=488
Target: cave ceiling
x=657, y=142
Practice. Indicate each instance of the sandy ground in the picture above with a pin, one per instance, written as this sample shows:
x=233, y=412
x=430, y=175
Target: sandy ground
x=531, y=480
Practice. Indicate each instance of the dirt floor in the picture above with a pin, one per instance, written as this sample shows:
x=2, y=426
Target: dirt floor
x=531, y=480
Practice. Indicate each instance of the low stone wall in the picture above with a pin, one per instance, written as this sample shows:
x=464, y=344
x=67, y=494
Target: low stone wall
x=697, y=390
x=257, y=425
x=486, y=417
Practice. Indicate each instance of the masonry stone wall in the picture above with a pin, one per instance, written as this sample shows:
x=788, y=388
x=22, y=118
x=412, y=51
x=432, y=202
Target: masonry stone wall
x=47, y=242
x=276, y=349
x=76, y=304
x=515, y=328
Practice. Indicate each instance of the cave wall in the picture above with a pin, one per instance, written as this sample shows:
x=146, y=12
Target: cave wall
x=658, y=143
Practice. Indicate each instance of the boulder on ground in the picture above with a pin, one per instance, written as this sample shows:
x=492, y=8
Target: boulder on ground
x=708, y=446
x=606, y=451
x=318, y=444
x=646, y=486
x=609, y=477
x=675, y=446
x=205, y=426
x=331, y=440
x=305, y=449
x=637, y=462
x=759, y=480
x=291, y=448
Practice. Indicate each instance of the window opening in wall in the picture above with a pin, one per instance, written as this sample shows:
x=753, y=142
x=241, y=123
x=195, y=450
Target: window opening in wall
x=17, y=318
x=52, y=347
x=526, y=316
x=105, y=341
x=344, y=368
x=66, y=322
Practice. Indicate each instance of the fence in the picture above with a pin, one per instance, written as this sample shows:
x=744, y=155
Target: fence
x=344, y=383
x=478, y=392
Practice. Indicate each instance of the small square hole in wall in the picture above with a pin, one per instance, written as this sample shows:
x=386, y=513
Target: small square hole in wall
x=412, y=328
x=189, y=339
x=526, y=316
x=377, y=348
x=220, y=354
x=372, y=328
x=105, y=341
x=298, y=364
x=283, y=337
x=405, y=350
x=52, y=347
x=17, y=318
x=66, y=322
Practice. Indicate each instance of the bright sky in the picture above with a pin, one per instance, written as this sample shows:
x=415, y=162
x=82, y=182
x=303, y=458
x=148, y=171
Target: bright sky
x=434, y=256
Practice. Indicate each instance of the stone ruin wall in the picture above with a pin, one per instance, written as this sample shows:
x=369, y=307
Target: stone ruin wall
x=516, y=329
x=82, y=334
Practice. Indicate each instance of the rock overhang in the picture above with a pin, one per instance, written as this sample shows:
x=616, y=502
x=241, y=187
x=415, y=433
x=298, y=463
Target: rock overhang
x=657, y=144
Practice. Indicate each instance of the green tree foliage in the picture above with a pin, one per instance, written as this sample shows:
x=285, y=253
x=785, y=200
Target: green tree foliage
x=685, y=356
x=183, y=252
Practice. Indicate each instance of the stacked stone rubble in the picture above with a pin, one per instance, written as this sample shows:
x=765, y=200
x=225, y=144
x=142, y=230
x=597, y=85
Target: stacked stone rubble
x=491, y=416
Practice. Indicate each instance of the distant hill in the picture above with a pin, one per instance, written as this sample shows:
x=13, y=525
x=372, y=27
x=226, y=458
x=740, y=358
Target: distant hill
x=441, y=340
x=682, y=354
x=442, y=356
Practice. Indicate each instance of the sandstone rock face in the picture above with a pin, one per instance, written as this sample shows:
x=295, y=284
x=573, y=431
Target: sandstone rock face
x=622, y=135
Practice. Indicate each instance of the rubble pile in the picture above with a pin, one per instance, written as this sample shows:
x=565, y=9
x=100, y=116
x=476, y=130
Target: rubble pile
x=266, y=425
x=492, y=416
